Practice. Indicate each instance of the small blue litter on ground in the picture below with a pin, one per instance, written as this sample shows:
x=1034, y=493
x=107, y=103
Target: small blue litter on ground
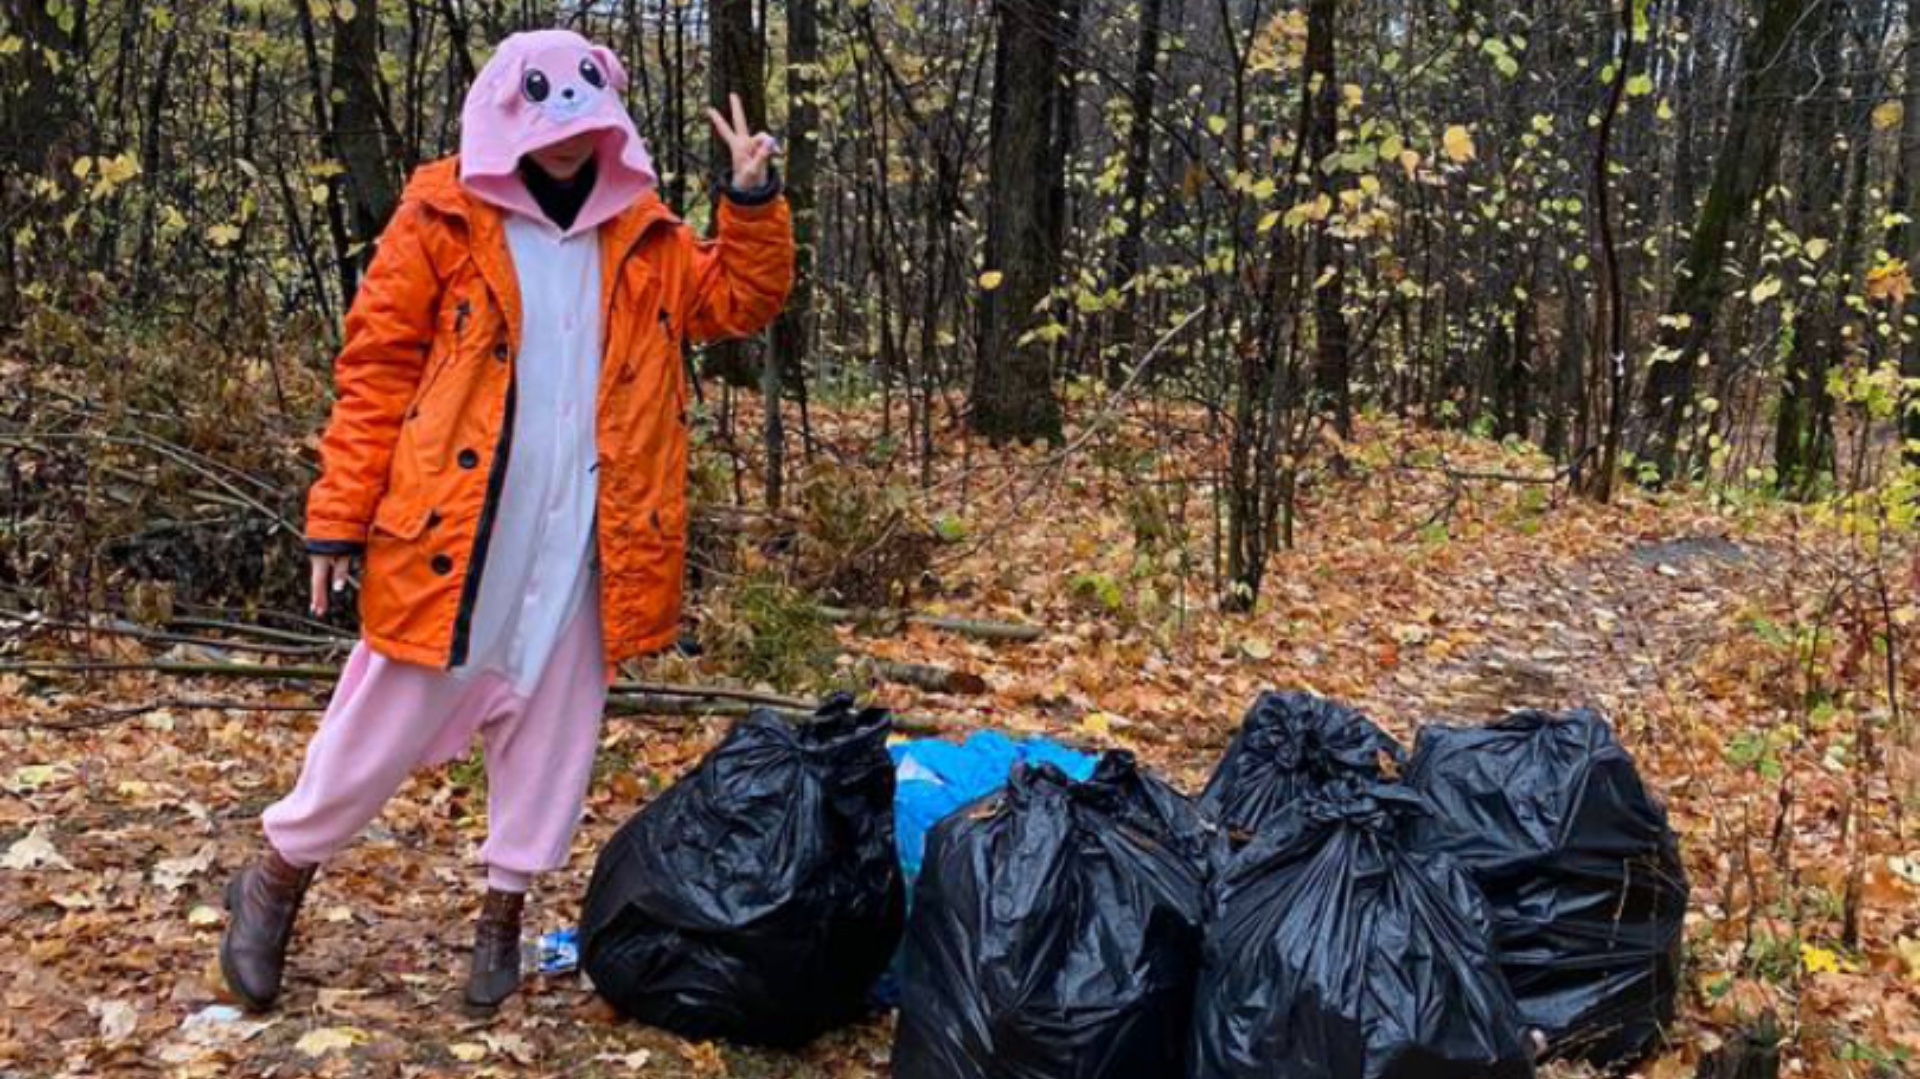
x=557, y=952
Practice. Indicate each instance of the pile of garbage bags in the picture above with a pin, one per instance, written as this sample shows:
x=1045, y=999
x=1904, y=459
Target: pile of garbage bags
x=1329, y=907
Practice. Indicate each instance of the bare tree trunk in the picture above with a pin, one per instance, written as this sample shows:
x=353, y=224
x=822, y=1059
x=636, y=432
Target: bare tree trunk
x=1746, y=157
x=1597, y=483
x=37, y=114
x=1803, y=449
x=739, y=66
x=360, y=123
x=1908, y=245
x=1013, y=393
x=787, y=359
x=1333, y=365
x=1130, y=250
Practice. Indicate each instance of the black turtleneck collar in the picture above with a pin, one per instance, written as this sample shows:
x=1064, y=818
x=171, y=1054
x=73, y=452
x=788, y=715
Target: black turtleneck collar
x=560, y=200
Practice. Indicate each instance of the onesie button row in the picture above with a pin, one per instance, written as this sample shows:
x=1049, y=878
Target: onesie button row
x=443, y=564
x=469, y=459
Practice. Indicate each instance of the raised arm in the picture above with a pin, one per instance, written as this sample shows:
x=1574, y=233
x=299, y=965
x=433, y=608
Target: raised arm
x=743, y=274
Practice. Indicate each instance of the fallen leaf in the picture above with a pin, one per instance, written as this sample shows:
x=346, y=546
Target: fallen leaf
x=31, y=777
x=467, y=1052
x=320, y=1041
x=35, y=851
x=117, y=1018
x=172, y=874
x=1819, y=960
x=203, y=916
x=512, y=1045
x=1909, y=950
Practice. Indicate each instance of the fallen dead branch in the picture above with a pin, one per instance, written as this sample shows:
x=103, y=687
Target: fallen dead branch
x=985, y=629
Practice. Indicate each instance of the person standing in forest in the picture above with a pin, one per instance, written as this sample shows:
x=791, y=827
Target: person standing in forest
x=508, y=451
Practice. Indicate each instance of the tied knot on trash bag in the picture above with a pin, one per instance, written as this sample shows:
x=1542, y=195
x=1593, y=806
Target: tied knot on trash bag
x=1336, y=951
x=1579, y=865
x=758, y=898
x=1291, y=744
x=1056, y=932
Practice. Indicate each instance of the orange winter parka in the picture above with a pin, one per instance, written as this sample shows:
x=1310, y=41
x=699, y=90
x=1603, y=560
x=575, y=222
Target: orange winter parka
x=416, y=451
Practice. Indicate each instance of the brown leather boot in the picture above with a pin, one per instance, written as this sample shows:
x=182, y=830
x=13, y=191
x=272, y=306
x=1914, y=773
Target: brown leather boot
x=494, y=972
x=262, y=901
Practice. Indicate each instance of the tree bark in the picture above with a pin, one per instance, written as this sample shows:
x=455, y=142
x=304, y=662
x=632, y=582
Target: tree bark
x=1803, y=448
x=1333, y=364
x=787, y=358
x=360, y=124
x=37, y=114
x=1013, y=394
x=1746, y=158
x=1909, y=244
x=1129, y=252
x=739, y=66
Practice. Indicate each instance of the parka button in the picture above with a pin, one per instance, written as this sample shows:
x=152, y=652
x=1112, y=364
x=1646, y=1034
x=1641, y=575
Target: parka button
x=442, y=564
x=469, y=459
x=500, y=351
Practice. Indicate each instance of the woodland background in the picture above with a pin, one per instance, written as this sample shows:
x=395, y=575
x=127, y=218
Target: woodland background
x=1440, y=355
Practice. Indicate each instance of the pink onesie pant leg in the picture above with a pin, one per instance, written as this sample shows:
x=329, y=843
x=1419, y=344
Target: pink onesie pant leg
x=383, y=720
x=539, y=756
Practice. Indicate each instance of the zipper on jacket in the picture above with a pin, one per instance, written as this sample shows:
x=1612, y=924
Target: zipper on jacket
x=477, y=564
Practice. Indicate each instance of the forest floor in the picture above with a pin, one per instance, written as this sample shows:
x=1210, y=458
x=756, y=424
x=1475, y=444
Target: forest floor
x=1415, y=592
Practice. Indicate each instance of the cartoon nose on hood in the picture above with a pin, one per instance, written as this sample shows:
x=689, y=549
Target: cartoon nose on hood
x=544, y=87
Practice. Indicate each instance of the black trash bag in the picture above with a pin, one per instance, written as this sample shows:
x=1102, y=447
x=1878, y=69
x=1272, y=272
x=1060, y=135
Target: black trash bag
x=759, y=898
x=1055, y=932
x=1291, y=743
x=1336, y=951
x=1581, y=869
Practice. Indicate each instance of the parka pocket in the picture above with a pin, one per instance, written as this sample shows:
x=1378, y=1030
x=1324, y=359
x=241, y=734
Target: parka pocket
x=397, y=520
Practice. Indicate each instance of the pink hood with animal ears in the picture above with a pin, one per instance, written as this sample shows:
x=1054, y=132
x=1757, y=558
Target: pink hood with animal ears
x=543, y=87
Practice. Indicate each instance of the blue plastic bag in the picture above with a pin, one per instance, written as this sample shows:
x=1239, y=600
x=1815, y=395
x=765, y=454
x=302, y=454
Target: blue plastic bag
x=933, y=778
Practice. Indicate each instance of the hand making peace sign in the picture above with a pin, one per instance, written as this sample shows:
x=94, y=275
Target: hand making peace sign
x=751, y=153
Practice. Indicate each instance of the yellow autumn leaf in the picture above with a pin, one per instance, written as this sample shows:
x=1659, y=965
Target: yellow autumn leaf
x=467, y=1052
x=991, y=280
x=1890, y=280
x=1889, y=115
x=1909, y=949
x=1766, y=290
x=1819, y=960
x=1458, y=144
x=1097, y=724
